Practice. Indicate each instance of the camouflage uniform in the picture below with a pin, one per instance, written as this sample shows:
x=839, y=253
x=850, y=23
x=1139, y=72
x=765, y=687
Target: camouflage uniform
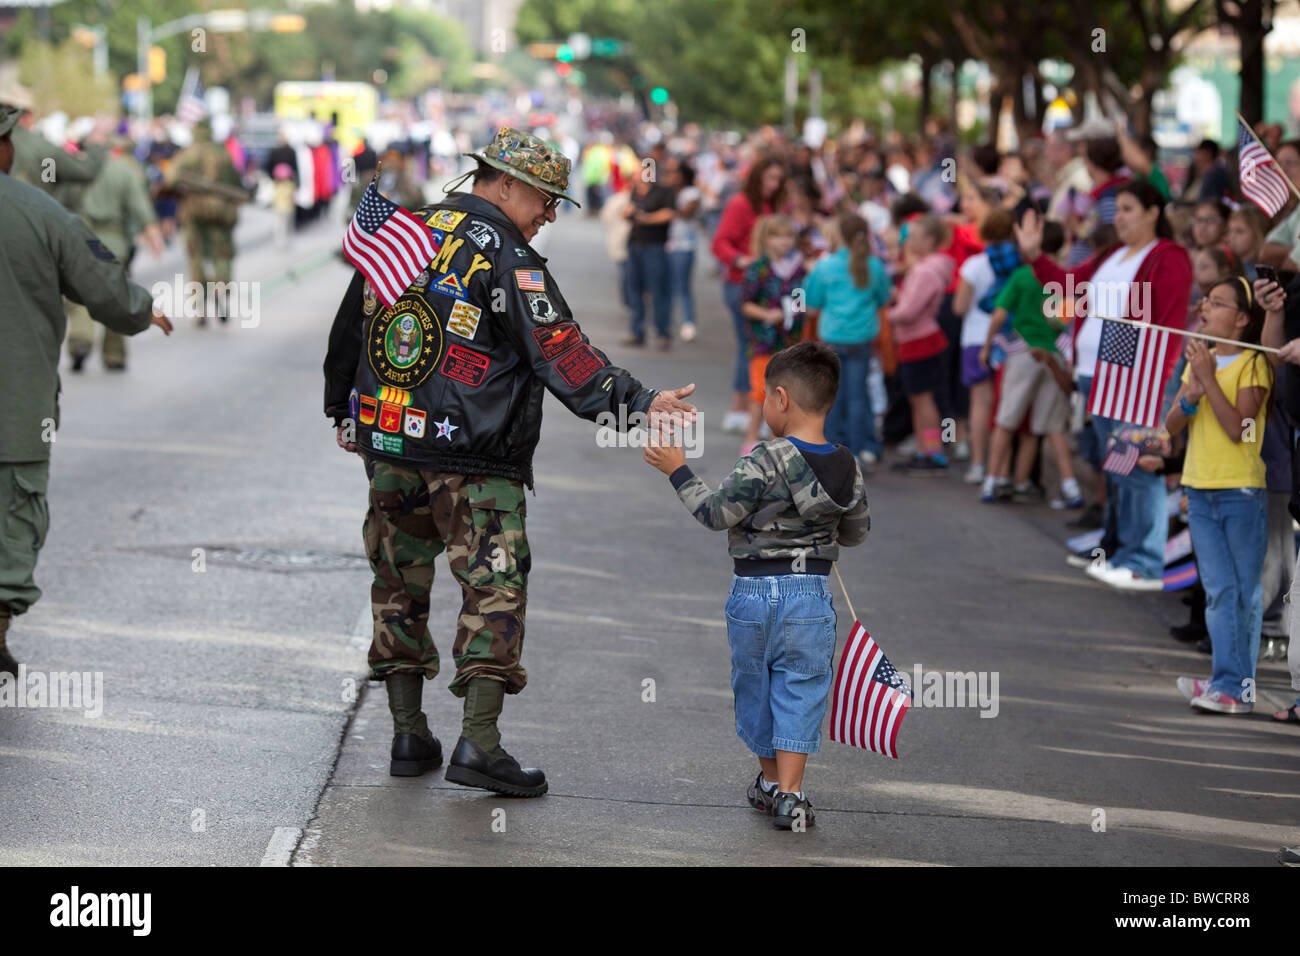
x=478, y=520
x=209, y=217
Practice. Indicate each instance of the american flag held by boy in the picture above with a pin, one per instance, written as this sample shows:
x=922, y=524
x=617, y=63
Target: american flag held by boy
x=870, y=698
x=1121, y=457
x=389, y=245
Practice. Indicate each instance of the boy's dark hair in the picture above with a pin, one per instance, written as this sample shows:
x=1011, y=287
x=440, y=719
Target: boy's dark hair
x=809, y=372
x=1053, y=237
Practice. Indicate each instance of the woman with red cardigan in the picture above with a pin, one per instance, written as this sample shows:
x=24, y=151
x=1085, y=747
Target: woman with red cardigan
x=733, y=247
x=1145, y=276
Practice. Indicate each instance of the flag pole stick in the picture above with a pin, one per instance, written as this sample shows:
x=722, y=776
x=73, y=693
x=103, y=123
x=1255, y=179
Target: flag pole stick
x=1190, y=335
x=1242, y=120
x=844, y=590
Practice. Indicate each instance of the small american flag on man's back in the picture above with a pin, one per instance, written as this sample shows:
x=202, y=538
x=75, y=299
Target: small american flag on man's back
x=1131, y=371
x=870, y=697
x=388, y=244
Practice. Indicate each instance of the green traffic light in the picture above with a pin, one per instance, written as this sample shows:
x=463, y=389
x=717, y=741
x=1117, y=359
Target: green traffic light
x=659, y=95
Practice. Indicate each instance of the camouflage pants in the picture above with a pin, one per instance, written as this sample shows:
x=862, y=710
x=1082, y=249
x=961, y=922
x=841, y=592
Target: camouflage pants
x=478, y=520
x=209, y=242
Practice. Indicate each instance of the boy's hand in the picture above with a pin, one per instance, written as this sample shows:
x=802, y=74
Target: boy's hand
x=667, y=458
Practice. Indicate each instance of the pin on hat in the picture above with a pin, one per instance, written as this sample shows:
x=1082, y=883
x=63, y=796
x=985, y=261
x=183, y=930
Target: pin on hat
x=526, y=157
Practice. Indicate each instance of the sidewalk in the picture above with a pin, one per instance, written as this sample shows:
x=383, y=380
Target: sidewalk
x=626, y=588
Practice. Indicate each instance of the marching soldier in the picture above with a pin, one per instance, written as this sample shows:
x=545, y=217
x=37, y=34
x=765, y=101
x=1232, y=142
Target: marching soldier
x=211, y=193
x=116, y=207
x=445, y=391
x=40, y=163
x=45, y=253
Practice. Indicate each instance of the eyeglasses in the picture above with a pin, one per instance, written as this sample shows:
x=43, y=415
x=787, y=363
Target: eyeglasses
x=1219, y=305
x=552, y=202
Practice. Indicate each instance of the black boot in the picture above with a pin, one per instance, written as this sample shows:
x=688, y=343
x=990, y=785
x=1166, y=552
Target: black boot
x=414, y=755
x=415, y=749
x=479, y=760
x=471, y=767
x=7, y=663
x=79, y=357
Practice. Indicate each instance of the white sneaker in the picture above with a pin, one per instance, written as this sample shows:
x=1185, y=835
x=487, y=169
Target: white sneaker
x=735, y=423
x=1191, y=688
x=688, y=331
x=1123, y=579
x=974, y=475
x=907, y=446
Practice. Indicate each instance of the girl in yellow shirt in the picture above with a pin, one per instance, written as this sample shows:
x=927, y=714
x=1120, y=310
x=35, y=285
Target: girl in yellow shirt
x=1222, y=402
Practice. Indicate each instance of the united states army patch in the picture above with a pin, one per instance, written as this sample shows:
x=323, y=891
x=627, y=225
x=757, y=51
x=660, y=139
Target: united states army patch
x=403, y=344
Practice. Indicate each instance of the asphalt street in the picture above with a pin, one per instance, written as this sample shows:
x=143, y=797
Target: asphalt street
x=238, y=728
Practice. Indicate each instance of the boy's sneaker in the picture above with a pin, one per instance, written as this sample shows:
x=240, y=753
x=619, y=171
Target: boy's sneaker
x=1124, y=579
x=1218, y=702
x=1081, y=559
x=1191, y=688
x=787, y=808
x=759, y=798
x=974, y=474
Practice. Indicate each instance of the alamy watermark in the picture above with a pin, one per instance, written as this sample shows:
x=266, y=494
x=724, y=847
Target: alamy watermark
x=197, y=300
x=955, y=689
x=650, y=429
x=74, y=690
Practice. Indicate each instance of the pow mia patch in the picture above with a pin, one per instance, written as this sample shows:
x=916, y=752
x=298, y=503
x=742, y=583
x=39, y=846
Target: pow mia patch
x=100, y=251
x=403, y=344
x=369, y=300
x=542, y=308
x=483, y=235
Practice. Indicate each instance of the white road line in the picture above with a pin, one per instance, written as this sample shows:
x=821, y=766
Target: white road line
x=278, y=851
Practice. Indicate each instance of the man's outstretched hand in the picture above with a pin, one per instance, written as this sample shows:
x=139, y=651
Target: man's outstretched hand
x=668, y=412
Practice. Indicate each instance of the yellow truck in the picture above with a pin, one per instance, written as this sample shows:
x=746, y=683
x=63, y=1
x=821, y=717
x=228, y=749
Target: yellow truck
x=355, y=104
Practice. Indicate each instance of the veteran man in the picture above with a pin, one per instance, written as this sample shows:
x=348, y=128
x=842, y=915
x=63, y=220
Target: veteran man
x=442, y=394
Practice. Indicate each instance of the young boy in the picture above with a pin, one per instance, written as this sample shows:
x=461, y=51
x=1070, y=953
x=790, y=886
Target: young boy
x=787, y=507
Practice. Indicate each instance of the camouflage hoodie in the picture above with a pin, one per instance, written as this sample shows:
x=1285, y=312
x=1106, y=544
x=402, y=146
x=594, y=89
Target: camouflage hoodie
x=780, y=503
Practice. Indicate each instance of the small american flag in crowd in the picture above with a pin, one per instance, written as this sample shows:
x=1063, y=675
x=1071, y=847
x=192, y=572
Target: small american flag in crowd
x=1121, y=457
x=1261, y=181
x=388, y=244
x=1065, y=345
x=191, y=107
x=870, y=697
x=1130, y=376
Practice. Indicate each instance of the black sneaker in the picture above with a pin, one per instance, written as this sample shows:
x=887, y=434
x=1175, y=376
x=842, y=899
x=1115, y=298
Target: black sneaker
x=787, y=809
x=759, y=798
x=923, y=466
x=1090, y=520
x=1187, y=633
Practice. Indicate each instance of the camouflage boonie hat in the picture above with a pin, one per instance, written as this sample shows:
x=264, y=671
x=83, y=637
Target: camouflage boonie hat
x=529, y=158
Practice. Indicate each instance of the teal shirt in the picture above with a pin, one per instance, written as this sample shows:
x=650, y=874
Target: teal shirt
x=850, y=315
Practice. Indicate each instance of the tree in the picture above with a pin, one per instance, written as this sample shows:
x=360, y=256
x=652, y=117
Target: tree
x=1251, y=20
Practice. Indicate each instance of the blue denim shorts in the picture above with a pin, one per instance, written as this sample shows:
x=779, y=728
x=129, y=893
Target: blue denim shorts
x=782, y=634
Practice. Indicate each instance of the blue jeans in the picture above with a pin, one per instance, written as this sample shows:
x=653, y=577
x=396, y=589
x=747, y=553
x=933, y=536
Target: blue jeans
x=1230, y=535
x=1136, y=521
x=680, y=267
x=782, y=634
x=647, y=271
x=733, y=296
x=850, y=422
